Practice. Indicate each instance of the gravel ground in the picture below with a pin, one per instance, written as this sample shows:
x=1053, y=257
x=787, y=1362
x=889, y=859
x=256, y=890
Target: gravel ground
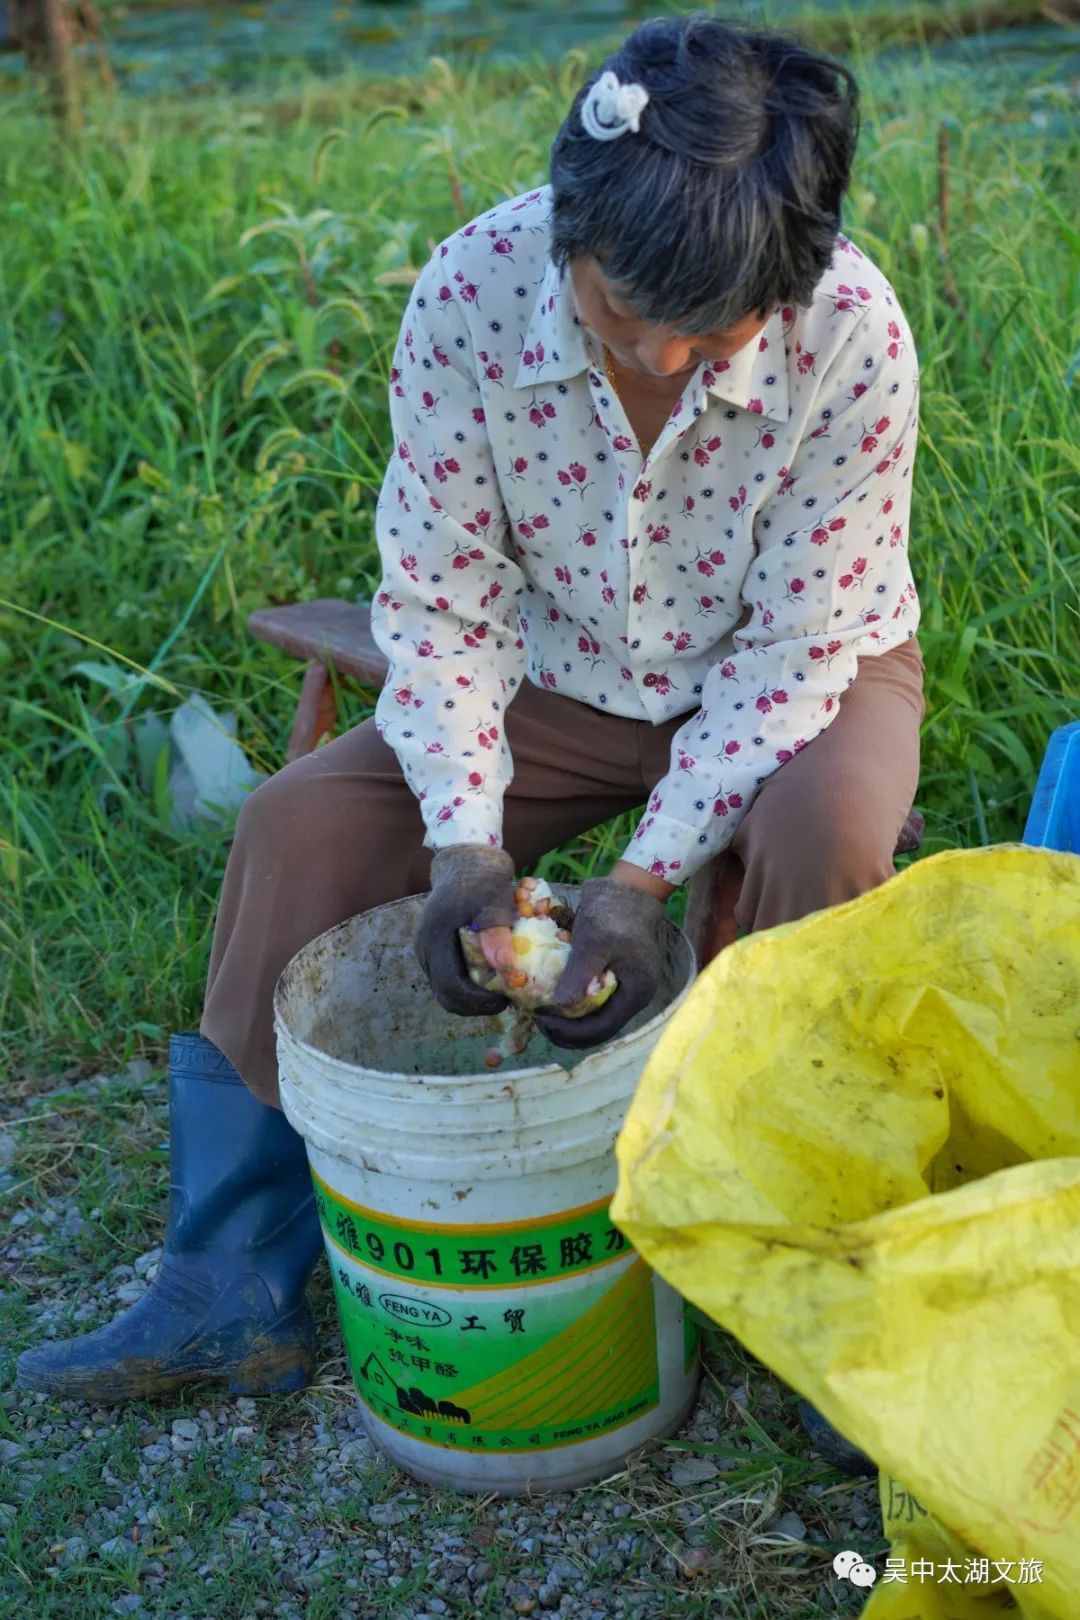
x=208, y=1506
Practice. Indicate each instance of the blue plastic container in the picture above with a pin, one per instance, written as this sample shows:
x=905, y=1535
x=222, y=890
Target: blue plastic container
x=1054, y=819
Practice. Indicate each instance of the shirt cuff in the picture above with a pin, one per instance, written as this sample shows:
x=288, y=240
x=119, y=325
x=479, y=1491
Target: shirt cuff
x=674, y=851
x=462, y=820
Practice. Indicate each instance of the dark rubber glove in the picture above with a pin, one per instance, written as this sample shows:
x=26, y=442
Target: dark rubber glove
x=615, y=926
x=471, y=885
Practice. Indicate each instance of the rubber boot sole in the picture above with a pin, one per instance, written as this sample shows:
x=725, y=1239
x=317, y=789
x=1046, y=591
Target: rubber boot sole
x=271, y=1366
x=281, y=1370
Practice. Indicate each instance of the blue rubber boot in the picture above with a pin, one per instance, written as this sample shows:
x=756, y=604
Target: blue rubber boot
x=227, y=1305
x=830, y=1444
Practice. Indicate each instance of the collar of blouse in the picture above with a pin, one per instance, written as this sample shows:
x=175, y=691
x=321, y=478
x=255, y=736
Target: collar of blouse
x=756, y=373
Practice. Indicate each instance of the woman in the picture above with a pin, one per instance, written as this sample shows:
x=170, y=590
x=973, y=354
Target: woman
x=643, y=537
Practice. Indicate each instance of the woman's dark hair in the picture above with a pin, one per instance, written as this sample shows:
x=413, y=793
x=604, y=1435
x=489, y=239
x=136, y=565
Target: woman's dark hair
x=727, y=201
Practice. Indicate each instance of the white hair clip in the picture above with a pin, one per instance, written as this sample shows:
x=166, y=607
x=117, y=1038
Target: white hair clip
x=611, y=108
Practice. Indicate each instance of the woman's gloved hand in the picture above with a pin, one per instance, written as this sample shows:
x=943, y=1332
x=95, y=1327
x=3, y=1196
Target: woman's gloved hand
x=616, y=926
x=471, y=885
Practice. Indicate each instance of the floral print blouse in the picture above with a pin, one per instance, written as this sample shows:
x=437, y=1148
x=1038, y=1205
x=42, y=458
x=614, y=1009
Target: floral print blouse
x=735, y=576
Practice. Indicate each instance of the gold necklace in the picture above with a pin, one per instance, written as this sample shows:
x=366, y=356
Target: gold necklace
x=609, y=365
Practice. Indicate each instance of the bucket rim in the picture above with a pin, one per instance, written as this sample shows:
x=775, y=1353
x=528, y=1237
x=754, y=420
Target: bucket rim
x=582, y=1069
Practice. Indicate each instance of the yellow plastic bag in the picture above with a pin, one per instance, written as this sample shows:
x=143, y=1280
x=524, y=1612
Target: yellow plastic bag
x=857, y=1147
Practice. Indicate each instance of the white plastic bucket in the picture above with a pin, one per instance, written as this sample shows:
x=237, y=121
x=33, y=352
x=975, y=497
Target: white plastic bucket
x=502, y=1333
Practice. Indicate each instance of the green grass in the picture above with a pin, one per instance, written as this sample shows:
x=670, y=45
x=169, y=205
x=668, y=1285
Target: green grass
x=192, y=422
x=195, y=319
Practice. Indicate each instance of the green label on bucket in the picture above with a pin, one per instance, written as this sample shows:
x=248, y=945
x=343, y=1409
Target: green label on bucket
x=492, y=1365
x=514, y=1255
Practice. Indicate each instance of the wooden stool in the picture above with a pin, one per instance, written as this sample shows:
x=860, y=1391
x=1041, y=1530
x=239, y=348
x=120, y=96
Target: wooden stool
x=334, y=638
x=331, y=636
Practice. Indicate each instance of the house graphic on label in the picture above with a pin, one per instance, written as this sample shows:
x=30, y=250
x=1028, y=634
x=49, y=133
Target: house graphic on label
x=375, y=1373
x=414, y=1401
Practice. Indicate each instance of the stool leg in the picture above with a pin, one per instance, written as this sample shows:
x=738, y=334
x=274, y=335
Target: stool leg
x=710, y=910
x=316, y=712
x=911, y=833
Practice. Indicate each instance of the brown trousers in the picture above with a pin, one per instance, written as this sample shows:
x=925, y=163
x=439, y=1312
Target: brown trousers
x=339, y=831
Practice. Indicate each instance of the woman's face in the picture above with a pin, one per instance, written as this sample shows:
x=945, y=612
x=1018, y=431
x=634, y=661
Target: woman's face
x=655, y=353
